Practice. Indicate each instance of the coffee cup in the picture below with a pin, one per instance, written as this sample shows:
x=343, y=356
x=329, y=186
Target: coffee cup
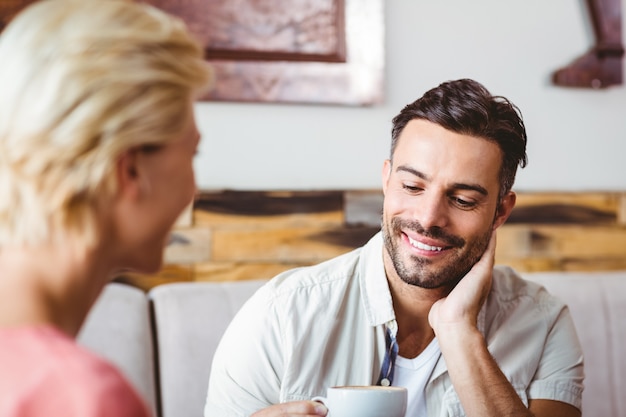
x=365, y=401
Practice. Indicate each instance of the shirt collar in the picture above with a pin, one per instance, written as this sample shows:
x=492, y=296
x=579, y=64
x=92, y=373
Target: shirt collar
x=375, y=291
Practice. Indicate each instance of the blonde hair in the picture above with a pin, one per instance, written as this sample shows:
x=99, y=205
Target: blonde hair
x=82, y=81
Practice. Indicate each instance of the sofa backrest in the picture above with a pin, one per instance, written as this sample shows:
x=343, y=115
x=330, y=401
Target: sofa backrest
x=191, y=318
x=597, y=302
x=119, y=328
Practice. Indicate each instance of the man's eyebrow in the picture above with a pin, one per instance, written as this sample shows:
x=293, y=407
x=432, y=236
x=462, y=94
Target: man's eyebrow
x=457, y=186
x=471, y=187
x=413, y=171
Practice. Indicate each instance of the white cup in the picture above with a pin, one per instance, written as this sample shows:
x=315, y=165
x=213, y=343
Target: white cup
x=365, y=401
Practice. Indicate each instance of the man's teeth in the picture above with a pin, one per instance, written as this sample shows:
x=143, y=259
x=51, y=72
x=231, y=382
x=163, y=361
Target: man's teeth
x=423, y=246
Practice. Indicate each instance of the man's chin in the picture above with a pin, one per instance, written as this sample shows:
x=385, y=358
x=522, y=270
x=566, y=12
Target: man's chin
x=427, y=284
x=432, y=278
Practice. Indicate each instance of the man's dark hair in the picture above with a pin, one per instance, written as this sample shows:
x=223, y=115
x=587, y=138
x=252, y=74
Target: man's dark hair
x=467, y=107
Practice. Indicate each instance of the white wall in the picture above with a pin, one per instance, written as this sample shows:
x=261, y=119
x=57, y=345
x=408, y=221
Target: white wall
x=577, y=137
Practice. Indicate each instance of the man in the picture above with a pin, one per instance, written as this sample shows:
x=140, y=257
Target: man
x=420, y=305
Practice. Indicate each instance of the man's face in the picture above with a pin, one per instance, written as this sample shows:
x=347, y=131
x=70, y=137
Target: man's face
x=441, y=204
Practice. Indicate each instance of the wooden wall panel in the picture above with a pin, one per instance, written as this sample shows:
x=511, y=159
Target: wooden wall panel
x=229, y=235
x=301, y=244
x=237, y=271
x=189, y=246
x=246, y=210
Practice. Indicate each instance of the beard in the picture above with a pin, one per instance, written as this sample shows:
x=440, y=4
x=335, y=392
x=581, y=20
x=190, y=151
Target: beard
x=421, y=272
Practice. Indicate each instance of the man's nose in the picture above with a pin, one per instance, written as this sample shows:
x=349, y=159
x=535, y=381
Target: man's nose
x=432, y=210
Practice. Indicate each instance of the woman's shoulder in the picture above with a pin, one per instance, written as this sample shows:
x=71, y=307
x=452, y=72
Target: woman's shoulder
x=48, y=370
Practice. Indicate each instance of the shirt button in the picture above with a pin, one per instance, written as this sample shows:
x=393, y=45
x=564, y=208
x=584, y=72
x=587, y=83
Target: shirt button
x=385, y=382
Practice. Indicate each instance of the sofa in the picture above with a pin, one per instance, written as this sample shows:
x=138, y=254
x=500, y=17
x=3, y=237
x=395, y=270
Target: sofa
x=164, y=340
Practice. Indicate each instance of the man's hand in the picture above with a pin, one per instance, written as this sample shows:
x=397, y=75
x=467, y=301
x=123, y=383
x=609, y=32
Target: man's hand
x=293, y=409
x=462, y=305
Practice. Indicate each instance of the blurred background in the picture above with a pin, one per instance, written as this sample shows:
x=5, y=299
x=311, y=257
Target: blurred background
x=290, y=164
x=577, y=136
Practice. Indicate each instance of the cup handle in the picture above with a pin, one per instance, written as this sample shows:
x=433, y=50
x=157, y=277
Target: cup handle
x=320, y=400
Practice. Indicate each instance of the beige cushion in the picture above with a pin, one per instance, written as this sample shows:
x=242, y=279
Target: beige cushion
x=597, y=301
x=191, y=319
x=118, y=328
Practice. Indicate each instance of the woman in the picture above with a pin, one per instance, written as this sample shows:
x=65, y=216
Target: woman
x=97, y=137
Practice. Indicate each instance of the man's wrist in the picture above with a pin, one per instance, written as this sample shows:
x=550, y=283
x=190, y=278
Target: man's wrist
x=460, y=334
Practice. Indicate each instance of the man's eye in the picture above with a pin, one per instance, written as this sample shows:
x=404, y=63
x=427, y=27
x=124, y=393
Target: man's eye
x=411, y=188
x=462, y=203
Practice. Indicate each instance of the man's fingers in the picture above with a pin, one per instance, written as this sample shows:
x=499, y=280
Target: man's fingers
x=294, y=409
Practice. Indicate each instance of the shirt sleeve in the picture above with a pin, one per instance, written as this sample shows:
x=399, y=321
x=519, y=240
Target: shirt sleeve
x=560, y=373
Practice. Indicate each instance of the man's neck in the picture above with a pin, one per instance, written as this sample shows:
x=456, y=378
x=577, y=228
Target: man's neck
x=411, y=305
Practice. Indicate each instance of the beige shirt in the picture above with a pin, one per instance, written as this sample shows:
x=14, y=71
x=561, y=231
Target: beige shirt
x=315, y=327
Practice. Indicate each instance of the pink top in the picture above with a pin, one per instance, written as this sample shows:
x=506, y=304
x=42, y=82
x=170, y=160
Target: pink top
x=44, y=372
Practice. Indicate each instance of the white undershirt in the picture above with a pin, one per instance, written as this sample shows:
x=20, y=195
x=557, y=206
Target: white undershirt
x=414, y=374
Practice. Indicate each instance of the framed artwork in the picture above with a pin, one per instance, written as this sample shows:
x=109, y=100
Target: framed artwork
x=298, y=51
x=292, y=51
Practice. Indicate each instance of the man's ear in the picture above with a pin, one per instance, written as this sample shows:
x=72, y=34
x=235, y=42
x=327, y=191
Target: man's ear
x=128, y=173
x=504, y=209
x=386, y=173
